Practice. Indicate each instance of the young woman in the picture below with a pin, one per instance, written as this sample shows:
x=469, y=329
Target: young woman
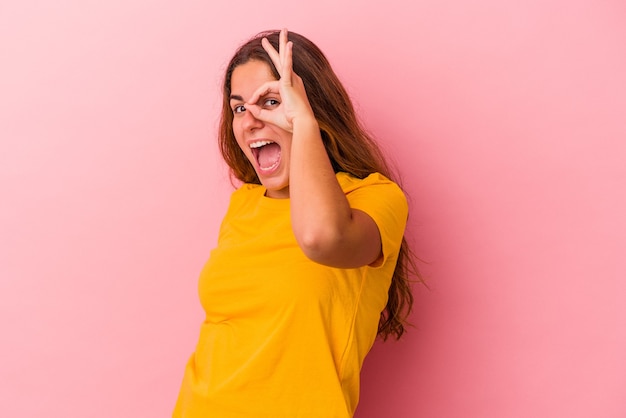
x=311, y=264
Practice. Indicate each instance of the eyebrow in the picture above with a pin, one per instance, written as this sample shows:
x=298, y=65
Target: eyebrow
x=236, y=97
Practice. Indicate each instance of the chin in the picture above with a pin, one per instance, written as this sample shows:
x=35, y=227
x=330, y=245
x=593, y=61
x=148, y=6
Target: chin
x=279, y=189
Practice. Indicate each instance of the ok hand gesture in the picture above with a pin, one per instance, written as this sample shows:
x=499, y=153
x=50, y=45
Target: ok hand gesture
x=294, y=102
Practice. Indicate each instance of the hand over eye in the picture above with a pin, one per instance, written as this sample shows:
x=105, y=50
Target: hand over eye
x=293, y=102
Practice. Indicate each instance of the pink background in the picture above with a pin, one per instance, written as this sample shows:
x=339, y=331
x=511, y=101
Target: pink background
x=507, y=121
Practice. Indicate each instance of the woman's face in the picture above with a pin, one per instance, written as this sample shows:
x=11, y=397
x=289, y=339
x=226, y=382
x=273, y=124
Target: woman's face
x=266, y=146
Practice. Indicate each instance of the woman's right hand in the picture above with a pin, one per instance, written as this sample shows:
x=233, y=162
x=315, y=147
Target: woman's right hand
x=290, y=88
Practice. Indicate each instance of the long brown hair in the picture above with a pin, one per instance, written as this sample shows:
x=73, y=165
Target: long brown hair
x=350, y=148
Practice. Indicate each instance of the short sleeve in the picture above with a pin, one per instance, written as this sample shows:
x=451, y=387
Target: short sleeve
x=385, y=203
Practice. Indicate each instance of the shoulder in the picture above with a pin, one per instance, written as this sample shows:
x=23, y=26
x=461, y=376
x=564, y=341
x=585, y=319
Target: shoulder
x=247, y=191
x=349, y=182
x=384, y=201
x=375, y=186
x=245, y=195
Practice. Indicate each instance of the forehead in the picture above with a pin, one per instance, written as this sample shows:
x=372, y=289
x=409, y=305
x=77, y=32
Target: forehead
x=248, y=77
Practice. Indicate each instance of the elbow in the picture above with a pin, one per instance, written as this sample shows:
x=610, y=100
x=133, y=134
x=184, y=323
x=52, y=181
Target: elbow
x=318, y=244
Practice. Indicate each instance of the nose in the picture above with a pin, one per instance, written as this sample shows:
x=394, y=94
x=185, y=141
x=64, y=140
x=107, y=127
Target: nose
x=250, y=122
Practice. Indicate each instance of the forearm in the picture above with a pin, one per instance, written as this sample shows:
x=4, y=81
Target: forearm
x=320, y=212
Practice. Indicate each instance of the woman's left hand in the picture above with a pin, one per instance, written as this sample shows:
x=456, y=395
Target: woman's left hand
x=294, y=102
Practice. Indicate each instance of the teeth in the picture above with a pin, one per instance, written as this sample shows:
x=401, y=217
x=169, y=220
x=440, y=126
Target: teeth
x=259, y=144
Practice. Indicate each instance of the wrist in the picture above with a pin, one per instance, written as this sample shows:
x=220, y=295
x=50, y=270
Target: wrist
x=307, y=122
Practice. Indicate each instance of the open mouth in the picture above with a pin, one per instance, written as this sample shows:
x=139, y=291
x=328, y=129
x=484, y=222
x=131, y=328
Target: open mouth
x=267, y=154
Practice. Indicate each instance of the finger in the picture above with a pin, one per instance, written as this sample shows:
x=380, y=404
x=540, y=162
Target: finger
x=274, y=55
x=288, y=64
x=269, y=87
x=254, y=109
x=259, y=113
x=268, y=116
x=282, y=46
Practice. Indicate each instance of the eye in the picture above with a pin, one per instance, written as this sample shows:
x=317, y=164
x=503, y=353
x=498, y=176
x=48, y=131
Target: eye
x=239, y=109
x=270, y=102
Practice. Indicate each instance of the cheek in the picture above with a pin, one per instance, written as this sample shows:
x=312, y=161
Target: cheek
x=237, y=134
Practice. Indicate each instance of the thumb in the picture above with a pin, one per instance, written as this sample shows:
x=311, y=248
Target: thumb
x=259, y=113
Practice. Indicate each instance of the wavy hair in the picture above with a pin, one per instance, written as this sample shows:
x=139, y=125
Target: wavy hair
x=350, y=147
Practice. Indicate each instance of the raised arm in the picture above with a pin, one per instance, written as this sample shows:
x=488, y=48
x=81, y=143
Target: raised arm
x=327, y=229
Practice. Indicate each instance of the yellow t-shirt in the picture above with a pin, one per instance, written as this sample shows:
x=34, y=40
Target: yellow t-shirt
x=283, y=335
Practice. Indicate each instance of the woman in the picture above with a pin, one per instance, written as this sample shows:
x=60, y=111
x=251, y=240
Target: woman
x=310, y=252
